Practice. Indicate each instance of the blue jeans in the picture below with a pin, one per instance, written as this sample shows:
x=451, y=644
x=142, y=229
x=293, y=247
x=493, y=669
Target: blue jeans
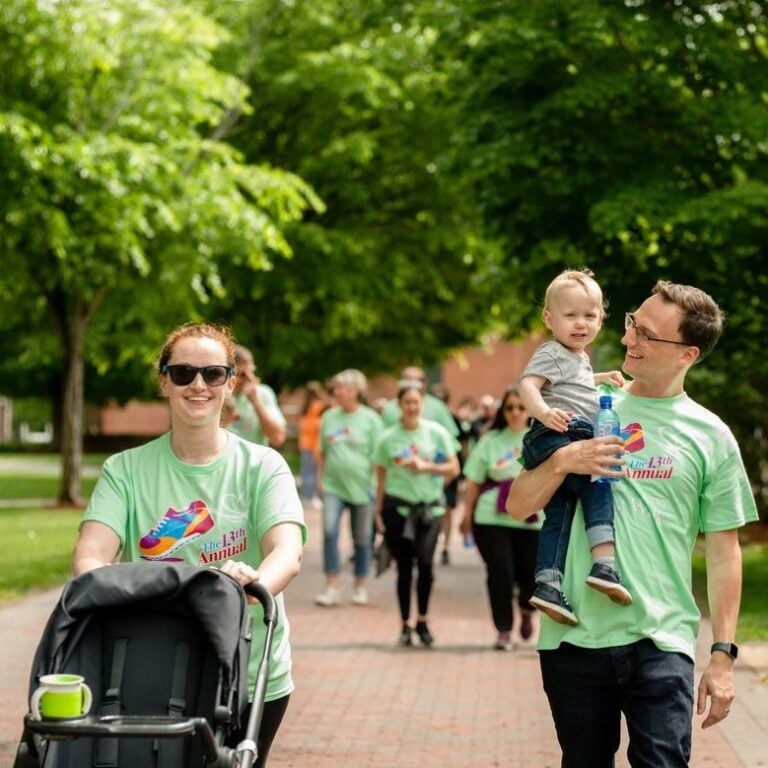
x=596, y=499
x=589, y=688
x=308, y=474
x=361, y=524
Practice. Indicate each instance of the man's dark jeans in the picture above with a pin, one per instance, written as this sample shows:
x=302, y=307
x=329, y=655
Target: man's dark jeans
x=588, y=689
x=596, y=499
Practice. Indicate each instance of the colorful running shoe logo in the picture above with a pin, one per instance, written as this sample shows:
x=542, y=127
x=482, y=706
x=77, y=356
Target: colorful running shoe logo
x=505, y=460
x=406, y=455
x=341, y=434
x=175, y=529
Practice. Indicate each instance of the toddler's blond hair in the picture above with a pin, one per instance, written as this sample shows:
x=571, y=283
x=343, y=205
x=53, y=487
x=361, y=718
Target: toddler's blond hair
x=584, y=277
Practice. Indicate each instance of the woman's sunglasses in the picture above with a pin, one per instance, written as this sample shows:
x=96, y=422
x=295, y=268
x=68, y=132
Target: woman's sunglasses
x=213, y=375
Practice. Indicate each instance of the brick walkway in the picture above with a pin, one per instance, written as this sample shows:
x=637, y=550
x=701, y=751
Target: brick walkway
x=361, y=701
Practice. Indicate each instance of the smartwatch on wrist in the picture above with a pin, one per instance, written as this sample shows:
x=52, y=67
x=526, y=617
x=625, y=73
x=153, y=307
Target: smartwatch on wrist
x=730, y=648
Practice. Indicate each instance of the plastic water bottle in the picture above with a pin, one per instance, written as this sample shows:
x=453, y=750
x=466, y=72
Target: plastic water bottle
x=607, y=423
x=469, y=540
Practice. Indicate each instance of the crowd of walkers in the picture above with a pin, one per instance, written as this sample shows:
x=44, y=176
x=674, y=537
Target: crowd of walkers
x=400, y=472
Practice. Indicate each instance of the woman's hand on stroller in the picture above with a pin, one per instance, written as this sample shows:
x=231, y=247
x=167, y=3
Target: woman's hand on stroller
x=241, y=573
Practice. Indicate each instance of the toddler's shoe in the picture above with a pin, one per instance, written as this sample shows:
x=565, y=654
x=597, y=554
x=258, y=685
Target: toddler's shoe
x=554, y=604
x=605, y=579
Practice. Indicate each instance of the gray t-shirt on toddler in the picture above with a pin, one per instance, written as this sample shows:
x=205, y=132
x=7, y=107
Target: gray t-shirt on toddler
x=570, y=384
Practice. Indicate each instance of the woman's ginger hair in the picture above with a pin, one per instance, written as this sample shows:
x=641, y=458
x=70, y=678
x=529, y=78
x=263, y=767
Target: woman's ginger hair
x=218, y=333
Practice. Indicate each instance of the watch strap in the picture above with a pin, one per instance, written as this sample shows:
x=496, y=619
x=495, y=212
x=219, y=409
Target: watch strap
x=730, y=648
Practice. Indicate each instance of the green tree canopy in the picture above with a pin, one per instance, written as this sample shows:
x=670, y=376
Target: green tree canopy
x=629, y=137
x=117, y=201
x=349, y=97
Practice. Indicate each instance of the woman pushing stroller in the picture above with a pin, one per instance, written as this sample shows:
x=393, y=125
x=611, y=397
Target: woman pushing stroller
x=202, y=495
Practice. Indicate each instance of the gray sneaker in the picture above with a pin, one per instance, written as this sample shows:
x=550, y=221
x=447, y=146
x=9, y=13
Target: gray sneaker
x=605, y=579
x=554, y=603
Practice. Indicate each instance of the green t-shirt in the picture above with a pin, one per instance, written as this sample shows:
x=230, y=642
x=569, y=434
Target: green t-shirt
x=684, y=475
x=247, y=425
x=431, y=442
x=347, y=441
x=434, y=410
x=496, y=457
x=229, y=504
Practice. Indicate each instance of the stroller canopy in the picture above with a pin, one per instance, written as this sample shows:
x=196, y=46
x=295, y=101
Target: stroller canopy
x=214, y=599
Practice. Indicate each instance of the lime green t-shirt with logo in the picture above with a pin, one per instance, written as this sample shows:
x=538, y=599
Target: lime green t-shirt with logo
x=431, y=442
x=165, y=509
x=247, y=424
x=684, y=475
x=347, y=442
x=497, y=457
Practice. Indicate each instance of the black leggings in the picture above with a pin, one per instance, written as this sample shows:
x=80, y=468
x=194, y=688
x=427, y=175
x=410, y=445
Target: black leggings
x=405, y=551
x=270, y=722
x=510, y=558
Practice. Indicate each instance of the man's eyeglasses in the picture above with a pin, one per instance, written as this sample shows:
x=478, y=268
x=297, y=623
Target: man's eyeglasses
x=643, y=337
x=182, y=375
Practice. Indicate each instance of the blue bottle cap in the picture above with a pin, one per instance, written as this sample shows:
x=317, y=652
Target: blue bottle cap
x=606, y=401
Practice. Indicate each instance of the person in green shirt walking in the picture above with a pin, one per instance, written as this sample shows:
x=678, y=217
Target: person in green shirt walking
x=507, y=546
x=681, y=475
x=414, y=459
x=348, y=435
x=257, y=417
x=203, y=495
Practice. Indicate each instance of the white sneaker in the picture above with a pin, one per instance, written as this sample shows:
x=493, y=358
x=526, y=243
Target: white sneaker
x=329, y=597
x=360, y=596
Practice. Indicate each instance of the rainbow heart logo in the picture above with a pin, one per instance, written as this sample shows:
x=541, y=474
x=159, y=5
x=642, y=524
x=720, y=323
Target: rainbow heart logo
x=633, y=437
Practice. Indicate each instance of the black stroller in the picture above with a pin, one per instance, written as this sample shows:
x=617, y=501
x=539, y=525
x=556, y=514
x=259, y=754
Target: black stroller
x=164, y=648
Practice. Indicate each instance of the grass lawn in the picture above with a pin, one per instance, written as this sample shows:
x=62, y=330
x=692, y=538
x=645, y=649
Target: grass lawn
x=28, y=486
x=36, y=545
x=35, y=548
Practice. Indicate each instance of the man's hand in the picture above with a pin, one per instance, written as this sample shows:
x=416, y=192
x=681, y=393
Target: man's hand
x=533, y=489
x=716, y=684
x=597, y=456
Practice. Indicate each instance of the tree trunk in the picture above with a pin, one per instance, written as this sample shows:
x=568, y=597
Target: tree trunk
x=73, y=343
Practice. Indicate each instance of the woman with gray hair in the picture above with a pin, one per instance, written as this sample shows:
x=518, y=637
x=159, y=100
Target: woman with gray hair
x=348, y=434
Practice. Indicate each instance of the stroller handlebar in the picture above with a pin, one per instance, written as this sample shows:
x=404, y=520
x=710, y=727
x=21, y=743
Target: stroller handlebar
x=265, y=597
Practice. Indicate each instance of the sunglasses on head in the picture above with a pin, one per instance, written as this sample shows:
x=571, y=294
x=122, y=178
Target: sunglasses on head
x=182, y=375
